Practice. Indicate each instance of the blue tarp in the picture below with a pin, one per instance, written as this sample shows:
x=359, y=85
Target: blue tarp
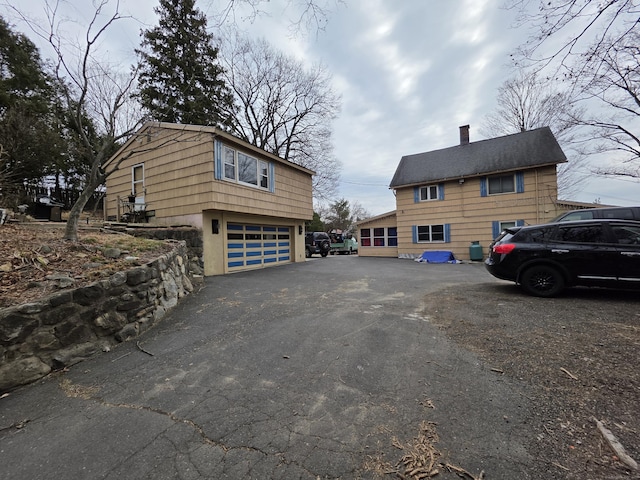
x=437, y=256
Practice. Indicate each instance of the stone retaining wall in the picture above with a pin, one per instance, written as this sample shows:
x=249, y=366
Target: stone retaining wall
x=74, y=324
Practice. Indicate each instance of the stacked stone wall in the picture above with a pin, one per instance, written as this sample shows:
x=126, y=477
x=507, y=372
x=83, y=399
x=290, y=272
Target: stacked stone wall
x=71, y=325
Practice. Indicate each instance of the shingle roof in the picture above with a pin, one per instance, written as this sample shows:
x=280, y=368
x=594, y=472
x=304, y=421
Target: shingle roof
x=533, y=148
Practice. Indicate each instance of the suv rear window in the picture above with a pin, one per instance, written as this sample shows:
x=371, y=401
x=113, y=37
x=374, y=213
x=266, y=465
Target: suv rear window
x=619, y=213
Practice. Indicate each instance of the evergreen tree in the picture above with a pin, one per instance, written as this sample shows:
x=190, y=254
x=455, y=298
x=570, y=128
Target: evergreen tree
x=180, y=78
x=29, y=138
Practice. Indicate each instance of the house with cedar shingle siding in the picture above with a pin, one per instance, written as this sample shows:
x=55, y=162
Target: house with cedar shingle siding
x=250, y=205
x=448, y=198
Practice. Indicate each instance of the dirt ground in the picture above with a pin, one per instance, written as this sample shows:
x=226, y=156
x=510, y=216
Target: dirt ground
x=578, y=356
x=31, y=252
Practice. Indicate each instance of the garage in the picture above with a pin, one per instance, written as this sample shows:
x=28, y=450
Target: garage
x=256, y=246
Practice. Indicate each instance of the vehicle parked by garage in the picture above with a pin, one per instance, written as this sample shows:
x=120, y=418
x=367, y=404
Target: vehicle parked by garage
x=620, y=213
x=317, y=242
x=544, y=259
x=343, y=243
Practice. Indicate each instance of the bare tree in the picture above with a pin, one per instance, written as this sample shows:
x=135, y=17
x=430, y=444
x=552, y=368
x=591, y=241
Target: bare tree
x=528, y=101
x=284, y=108
x=96, y=94
x=304, y=15
x=615, y=83
x=591, y=46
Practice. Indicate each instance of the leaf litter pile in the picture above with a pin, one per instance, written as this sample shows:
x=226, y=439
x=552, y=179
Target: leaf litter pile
x=32, y=257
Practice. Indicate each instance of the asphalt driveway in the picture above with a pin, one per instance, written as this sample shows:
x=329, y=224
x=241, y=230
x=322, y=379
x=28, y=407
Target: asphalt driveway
x=322, y=370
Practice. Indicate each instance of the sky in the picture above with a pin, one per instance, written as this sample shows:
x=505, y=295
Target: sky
x=409, y=72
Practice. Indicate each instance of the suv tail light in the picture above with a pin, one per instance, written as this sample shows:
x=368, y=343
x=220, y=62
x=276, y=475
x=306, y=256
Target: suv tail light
x=504, y=248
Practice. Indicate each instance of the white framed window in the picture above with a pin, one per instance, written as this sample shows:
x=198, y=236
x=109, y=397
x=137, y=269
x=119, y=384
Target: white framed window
x=429, y=192
x=502, y=184
x=242, y=168
x=430, y=233
x=505, y=225
x=137, y=180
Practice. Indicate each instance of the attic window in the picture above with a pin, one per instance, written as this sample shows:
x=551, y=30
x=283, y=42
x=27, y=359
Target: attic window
x=429, y=192
x=502, y=184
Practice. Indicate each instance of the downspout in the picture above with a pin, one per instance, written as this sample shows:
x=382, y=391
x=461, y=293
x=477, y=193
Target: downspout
x=537, y=199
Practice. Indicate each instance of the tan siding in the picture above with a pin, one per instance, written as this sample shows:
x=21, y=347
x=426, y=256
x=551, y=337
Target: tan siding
x=386, y=222
x=470, y=216
x=180, y=182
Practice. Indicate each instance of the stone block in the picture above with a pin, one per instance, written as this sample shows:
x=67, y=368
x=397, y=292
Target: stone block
x=60, y=298
x=110, y=322
x=139, y=275
x=88, y=295
x=15, y=328
x=127, y=333
x=60, y=314
x=21, y=372
x=74, y=354
x=72, y=332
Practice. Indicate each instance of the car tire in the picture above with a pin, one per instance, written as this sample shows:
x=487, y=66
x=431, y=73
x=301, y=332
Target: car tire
x=542, y=281
x=307, y=252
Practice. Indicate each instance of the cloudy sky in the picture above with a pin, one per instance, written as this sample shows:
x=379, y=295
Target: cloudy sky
x=409, y=72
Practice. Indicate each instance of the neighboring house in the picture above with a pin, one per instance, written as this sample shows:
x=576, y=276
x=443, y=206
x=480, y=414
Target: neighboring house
x=446, y=199
x=250, y=205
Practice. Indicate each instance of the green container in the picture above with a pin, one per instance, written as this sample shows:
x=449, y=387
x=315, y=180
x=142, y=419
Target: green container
x=475, y=251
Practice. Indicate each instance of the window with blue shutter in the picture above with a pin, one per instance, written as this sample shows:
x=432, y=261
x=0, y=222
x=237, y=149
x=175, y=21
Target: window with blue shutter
x=233, y=165
x=483, y=187
x=440, y=233
x=217, y=153
x=495, y=229
x=272, y=177
x=520, y=182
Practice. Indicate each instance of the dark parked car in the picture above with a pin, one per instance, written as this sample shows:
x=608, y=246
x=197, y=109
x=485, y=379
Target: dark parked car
x=620, y=213
x=544, y=259
x=317, y=242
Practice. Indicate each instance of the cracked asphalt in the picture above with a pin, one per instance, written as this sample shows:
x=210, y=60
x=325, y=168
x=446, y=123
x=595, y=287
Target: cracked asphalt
x=311, y=371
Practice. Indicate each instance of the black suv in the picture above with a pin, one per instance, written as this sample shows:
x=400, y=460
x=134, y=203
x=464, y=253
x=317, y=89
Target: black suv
x=544, y=259
x=620, y=213
x=317, y=242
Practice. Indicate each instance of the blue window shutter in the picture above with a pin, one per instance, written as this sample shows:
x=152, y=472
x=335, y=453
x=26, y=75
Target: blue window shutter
x=447, y=233
x=416, y=195
x=520, y=182
x=483, y=187
x=217, y=153
x=414, y=233
x=495, y=229
x=519, y=223
x=441, y=191
x=272, y=178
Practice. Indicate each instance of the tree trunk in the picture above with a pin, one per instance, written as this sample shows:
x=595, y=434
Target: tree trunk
x=71, y=230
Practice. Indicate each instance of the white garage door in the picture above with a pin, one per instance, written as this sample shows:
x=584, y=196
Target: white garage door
x=257, y=246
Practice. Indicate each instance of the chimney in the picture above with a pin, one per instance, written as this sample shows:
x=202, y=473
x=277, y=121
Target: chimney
x=464, y=135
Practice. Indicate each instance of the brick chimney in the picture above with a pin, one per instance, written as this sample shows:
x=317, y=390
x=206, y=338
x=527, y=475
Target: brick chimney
x=464, y=135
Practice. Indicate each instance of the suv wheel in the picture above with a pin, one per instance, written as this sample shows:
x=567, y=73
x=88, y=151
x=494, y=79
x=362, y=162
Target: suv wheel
x=324, y=248
x=542, y=281
x=307, y=252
